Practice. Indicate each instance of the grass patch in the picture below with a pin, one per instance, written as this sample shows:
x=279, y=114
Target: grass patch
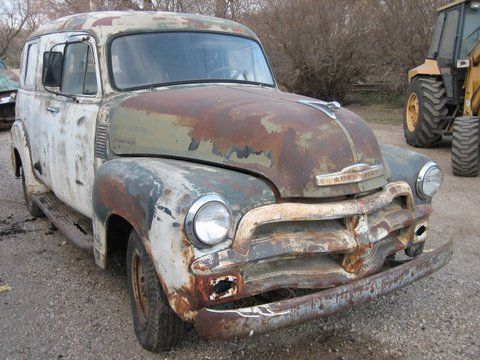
x=379, y=113
x=377, y=107
x=383, y=119
x=366, y=98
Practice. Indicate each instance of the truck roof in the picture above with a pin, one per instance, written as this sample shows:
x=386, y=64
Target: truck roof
x=102, y=25
x=452, y=4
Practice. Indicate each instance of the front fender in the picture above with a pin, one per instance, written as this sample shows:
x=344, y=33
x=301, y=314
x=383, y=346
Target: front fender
x=154, y=196
x=404, y=165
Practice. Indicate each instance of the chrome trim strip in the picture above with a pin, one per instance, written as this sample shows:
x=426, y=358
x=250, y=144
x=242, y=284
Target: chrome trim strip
x=352, y=174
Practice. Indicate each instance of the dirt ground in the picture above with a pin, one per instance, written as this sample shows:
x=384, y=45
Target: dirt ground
x=62, y=306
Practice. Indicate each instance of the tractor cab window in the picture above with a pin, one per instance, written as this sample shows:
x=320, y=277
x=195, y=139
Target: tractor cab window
x=449, y=34
x=471, y=30
x=437, y=33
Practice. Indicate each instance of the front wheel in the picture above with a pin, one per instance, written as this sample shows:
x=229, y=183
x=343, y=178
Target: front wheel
x=425, y=109
x=157, y=327
x=466, y=146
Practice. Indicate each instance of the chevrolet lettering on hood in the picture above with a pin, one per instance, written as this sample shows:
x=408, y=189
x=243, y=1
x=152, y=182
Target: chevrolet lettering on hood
x=238, y=208
x=352, y=174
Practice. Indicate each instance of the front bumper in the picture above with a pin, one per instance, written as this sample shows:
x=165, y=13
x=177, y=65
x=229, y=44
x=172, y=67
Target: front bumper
x=228, y=324
x=311, y=246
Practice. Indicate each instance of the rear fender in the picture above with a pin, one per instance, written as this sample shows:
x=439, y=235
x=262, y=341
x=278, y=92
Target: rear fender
x=20, y=144
x=429, y=68
x=154, y=196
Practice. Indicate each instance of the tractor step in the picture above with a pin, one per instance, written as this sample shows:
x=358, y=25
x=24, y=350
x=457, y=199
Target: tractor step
x=76, y=227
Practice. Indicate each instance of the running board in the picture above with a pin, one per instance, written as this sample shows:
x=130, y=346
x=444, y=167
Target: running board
x=76, y=227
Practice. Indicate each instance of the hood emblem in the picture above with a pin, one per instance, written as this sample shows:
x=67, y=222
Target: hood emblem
x=328, y=108
x=351, y=175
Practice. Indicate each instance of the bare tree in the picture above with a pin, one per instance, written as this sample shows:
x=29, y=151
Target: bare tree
x=317, y=47
x=14, y=15
x=400, y=37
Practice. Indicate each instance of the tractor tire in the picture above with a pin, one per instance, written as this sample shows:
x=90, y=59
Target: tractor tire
x=156, y=325
x=466, y=146
x=425, y=106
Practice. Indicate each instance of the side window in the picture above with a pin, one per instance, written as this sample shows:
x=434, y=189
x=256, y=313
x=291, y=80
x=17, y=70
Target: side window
x=78, y=75
x=433, y=51
x=449, y=34
x=31, y=65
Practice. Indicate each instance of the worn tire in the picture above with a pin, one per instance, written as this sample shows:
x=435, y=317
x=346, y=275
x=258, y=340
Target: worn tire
x=32, y=208
x=432, y=106
x=466, y=146
x=156, y=326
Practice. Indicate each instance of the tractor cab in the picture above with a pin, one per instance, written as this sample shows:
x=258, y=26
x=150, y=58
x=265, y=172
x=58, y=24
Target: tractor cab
x=443, y=97
x=456, y=33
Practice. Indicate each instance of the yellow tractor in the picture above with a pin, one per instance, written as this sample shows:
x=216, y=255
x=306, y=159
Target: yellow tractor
x=443, y=96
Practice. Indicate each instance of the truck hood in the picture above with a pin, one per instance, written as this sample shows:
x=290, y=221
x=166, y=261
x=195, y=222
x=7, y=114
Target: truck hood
x=9, y=81
x=257, y=130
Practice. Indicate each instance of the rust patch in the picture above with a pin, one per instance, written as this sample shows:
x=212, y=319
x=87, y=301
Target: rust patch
x=183, y=301
x=113, y=195
x=106, y=21
x=354, y=262
x=211, y=294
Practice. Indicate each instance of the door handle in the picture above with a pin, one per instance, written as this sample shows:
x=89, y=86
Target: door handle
x=52, y=109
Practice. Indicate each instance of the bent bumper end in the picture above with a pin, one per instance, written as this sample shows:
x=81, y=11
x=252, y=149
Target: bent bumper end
x=229, y=324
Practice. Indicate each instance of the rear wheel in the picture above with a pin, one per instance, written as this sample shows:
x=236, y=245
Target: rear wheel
x=466, y=146
x=425, y=107
x=32, y=208
x=157, y=327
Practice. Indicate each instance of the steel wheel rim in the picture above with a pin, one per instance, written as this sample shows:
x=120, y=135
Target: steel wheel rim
x=412, y=112
x=139, y=285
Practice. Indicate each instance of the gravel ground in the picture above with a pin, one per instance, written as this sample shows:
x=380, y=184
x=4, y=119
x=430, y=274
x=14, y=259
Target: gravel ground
x=62, y=306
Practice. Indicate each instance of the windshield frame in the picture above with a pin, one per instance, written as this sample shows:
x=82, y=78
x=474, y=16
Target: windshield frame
x=111, y=77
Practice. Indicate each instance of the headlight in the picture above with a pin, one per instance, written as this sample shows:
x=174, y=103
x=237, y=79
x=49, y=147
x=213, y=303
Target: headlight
x=429, y=180
x=208, y=221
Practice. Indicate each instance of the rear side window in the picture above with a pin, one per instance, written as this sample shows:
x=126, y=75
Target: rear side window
x=79, y=77
x=449, y=34
x=31, y=65
x=433, y=51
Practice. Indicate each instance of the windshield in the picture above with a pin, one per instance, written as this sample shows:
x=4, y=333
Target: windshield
x=150, y=60
x=471, y=30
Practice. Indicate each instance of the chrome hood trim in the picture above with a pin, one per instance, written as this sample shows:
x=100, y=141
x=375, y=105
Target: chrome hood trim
x=351, y=175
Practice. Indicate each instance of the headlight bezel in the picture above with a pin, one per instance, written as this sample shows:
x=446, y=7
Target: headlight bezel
x=429, y=166
x=192, y=215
